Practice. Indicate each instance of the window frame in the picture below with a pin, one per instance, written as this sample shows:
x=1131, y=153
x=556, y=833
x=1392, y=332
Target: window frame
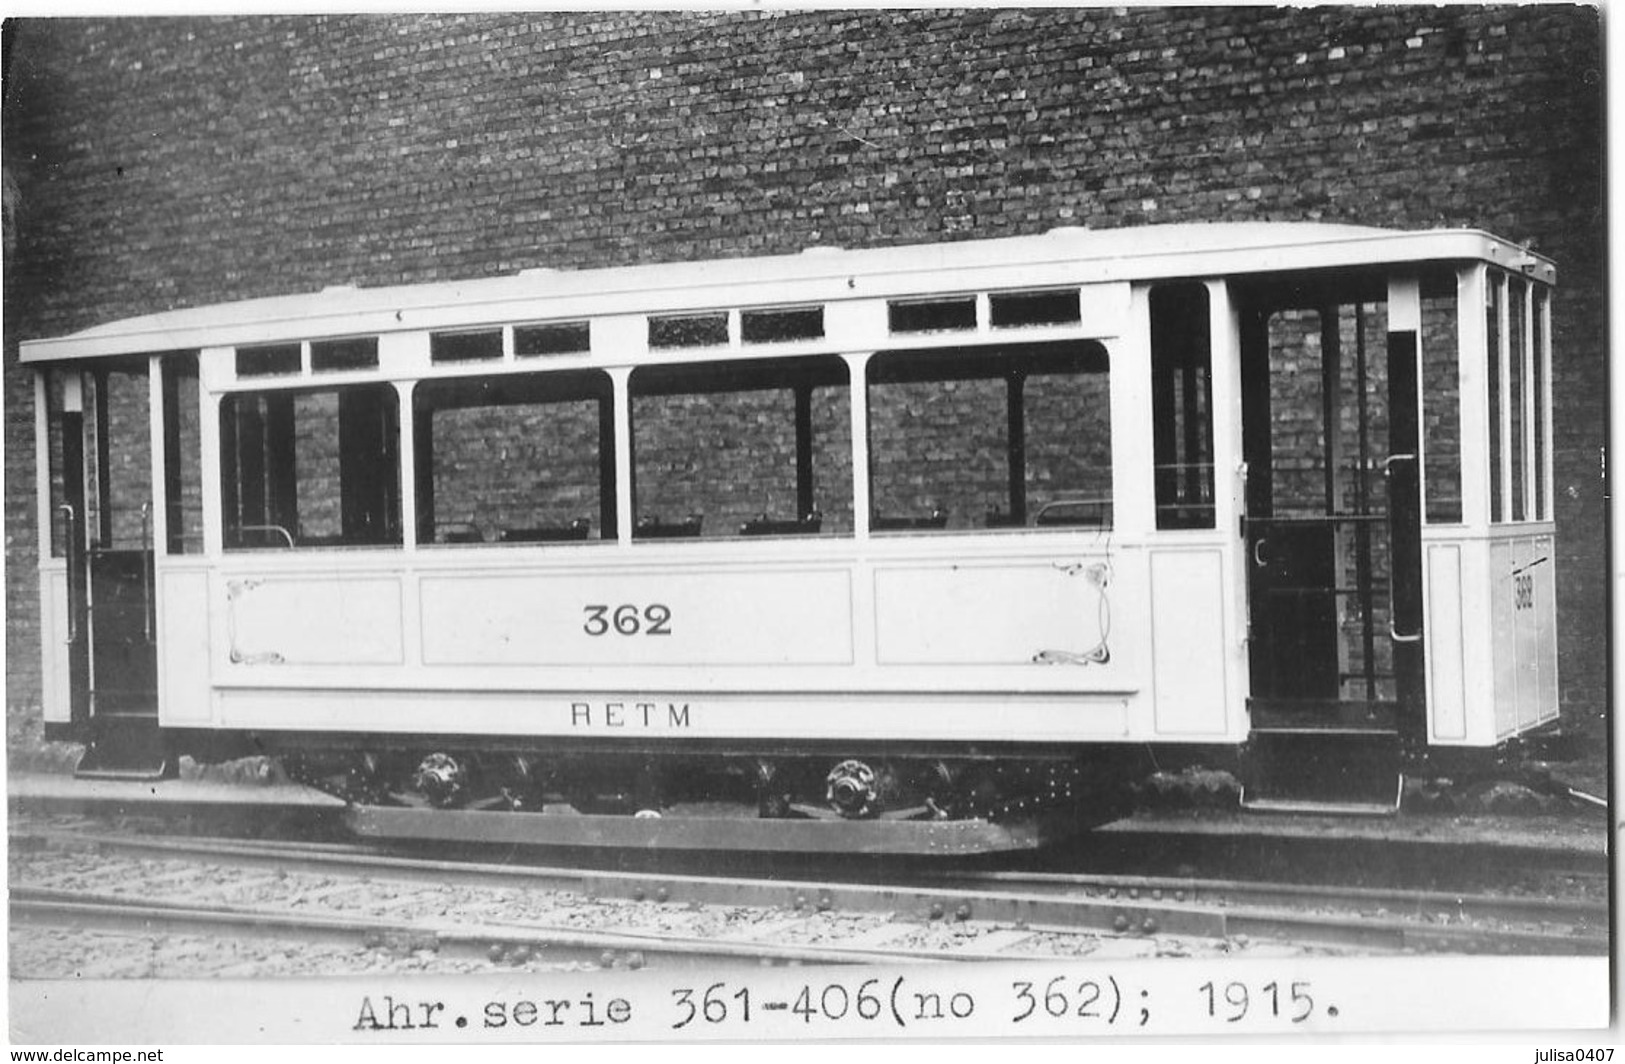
x=386, y=504
x=978, y=361
x=533, y=386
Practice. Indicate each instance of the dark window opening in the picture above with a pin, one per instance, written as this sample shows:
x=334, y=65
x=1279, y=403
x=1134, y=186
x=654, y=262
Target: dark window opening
x=1517, y=381
x=330, y=356
x=932, y=315
x=515, y=459
x=782, y=325
x=1542, y=324
x=1182, y=405
x=118, y=455
x=689, y=330
x=465, y=346
x=993, y=437
x=1441, y=409
x=1016, y=309
x=558, y=338
x=1492, y=358
x=267, y=361
x=65, y=441
x=742, y=449
x=183, y=476
x=310, y=468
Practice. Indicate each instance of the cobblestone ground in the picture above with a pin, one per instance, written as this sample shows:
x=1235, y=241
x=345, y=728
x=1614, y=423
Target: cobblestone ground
x=54, y=952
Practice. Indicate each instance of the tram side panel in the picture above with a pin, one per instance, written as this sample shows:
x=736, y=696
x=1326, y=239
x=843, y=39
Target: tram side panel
x=1522, y=571
x=56, y=631
x=185, y=690
x=981, y=644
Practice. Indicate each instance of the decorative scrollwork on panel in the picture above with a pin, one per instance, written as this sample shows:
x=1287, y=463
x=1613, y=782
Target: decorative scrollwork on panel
x=236, y=589
x=1098, y=574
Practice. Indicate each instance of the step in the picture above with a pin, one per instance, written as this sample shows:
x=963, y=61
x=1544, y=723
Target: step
x=1335, y=771
x=126, y=747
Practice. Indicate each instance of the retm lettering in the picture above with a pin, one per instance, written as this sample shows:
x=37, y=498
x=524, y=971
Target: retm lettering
x=628, y=714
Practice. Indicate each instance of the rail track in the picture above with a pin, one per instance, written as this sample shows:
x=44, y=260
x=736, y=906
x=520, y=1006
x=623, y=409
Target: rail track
x=576, y=915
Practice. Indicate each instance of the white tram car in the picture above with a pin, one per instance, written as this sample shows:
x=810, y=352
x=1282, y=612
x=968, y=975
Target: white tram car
x=949, y=532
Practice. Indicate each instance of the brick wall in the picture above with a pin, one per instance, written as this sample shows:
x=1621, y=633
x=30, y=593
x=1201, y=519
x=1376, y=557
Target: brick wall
x=162, y=163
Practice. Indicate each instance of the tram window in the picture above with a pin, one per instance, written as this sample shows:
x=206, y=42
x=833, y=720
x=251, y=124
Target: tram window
x=1441, y=408
x=267, y=360
x=689, y=330
x=1541, y=333
x=515, y=459
x=1492, y=359
x=1517, y=384
x=99, y=455
x=310, y=468
x=1016, y=309
x=465, y=346
x=759, y=448
x=554, y=338
x=118, y=455
x=781, y=325
x=994, y=437
x=932, y=315
x=183, y=478
x=1182, y=405
x=335, y=355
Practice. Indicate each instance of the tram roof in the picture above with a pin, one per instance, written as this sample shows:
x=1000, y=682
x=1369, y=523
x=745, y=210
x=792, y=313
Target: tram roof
x=1199, y=249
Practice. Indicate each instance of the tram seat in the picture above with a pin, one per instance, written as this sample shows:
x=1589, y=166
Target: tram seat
x=335, y=540
x=458, y=532
x=762, y=525
x=578, y=529
x=652, y=527
x=883, y=523
x=1089, y=513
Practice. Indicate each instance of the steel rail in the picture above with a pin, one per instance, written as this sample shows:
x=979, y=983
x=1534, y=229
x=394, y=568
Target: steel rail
x=86, y=911
x=1044, y=902
x=1458, y=905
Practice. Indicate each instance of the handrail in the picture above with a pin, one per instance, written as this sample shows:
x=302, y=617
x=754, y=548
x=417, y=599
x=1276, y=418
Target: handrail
x=283, y=532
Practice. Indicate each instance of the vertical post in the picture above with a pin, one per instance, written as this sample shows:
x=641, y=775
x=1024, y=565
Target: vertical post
x=620, y=378
x=411, y=480
x=1406, y=616
x=157, y=423
x=857, y=370
x=1471, y=337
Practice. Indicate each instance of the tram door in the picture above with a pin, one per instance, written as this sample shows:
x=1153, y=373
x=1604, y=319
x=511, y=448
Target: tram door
x=106, y=453
x=1333, y=540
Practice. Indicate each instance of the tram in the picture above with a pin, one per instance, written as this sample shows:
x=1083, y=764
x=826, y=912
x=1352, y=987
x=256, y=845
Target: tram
x=934, y=537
